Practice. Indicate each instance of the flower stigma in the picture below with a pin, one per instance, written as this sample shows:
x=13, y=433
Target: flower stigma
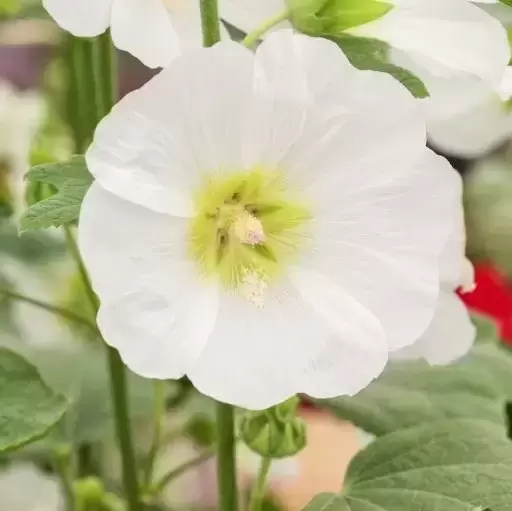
x=248, y=227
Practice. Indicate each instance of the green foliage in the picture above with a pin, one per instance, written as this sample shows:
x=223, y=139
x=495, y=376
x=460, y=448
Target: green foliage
x=71, y=180
x=488, y=211
x=28, y=407
x=7, y=322
x=457, y=465
x=506, y=2
x=33, y=247
x=81, y=373
x=413, y=392
x=331, y=17
x=367, y=53
x=276, y=432
x=486, y=328
x=9, y=7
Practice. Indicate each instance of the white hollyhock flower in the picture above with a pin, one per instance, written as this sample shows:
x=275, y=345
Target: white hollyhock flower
x=451, y=333
x=154, y=31
x=273, y=229
x=480, y=122
x=441, y=37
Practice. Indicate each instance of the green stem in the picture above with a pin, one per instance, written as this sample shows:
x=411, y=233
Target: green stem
x=254, y=36
x=54, y=309
x=102, y=59
x=159, y=396
x=258, y=490
x=77, y=94
x=122, y=426
x=210, y=22
x=226, y=464
x=82, y=271
x=62, y=465
x=179, y=471
x=119, y=393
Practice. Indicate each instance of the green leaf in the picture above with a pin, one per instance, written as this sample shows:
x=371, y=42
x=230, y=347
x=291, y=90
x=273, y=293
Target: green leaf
x=81, y=374
x=486, y=328
x=28, y=408
x=458, y=465
x=506, y=2
x=410, y=393
x=33, y=247
x=72, y=180
x=367, y=53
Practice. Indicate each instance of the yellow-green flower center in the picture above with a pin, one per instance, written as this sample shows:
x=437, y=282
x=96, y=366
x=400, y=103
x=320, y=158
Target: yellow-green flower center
x=249, y=225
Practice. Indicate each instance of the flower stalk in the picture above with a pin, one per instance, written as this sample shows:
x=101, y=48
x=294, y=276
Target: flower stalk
x=258, y=490
x=254, y=36
x=99, y=64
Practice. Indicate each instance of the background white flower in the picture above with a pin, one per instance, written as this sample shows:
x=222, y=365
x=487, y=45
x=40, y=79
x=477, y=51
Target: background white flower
x=451, y=333
x=154, y=31
x=25, y=488
x=473, y=127
x=342, y=285
x=440, y=37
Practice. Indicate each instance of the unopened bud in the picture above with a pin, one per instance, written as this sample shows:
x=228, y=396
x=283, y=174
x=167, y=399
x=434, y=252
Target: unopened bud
x=276, y=432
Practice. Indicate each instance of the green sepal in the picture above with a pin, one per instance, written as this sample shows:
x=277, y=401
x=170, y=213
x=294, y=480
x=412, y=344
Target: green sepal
x=276, y=432
x=332, y=17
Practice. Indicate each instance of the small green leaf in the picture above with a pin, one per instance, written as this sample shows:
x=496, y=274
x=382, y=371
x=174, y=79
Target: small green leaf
x=458, y=465
x=28, y=408
x=367, y=53
x=72, y=180
x=413, y=392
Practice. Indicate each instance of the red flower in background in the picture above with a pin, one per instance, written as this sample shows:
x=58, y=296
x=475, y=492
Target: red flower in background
x=492, y=297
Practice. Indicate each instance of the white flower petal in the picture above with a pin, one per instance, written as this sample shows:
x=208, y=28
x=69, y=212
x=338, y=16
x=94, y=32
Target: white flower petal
x=475, y=132
x=186, y=20
x=83, y=18
x=325, y=111
x=161, y=333
x=355, y=354
x=444, y=33
x=247, y=15
x=121, y=242
x=155, y=310
x=383, y=240
x=144, y=28
x=452, y=262
x=256, y=358
x=155, y=152
x=496, y=9
x=298, y=83
x=449, y=337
